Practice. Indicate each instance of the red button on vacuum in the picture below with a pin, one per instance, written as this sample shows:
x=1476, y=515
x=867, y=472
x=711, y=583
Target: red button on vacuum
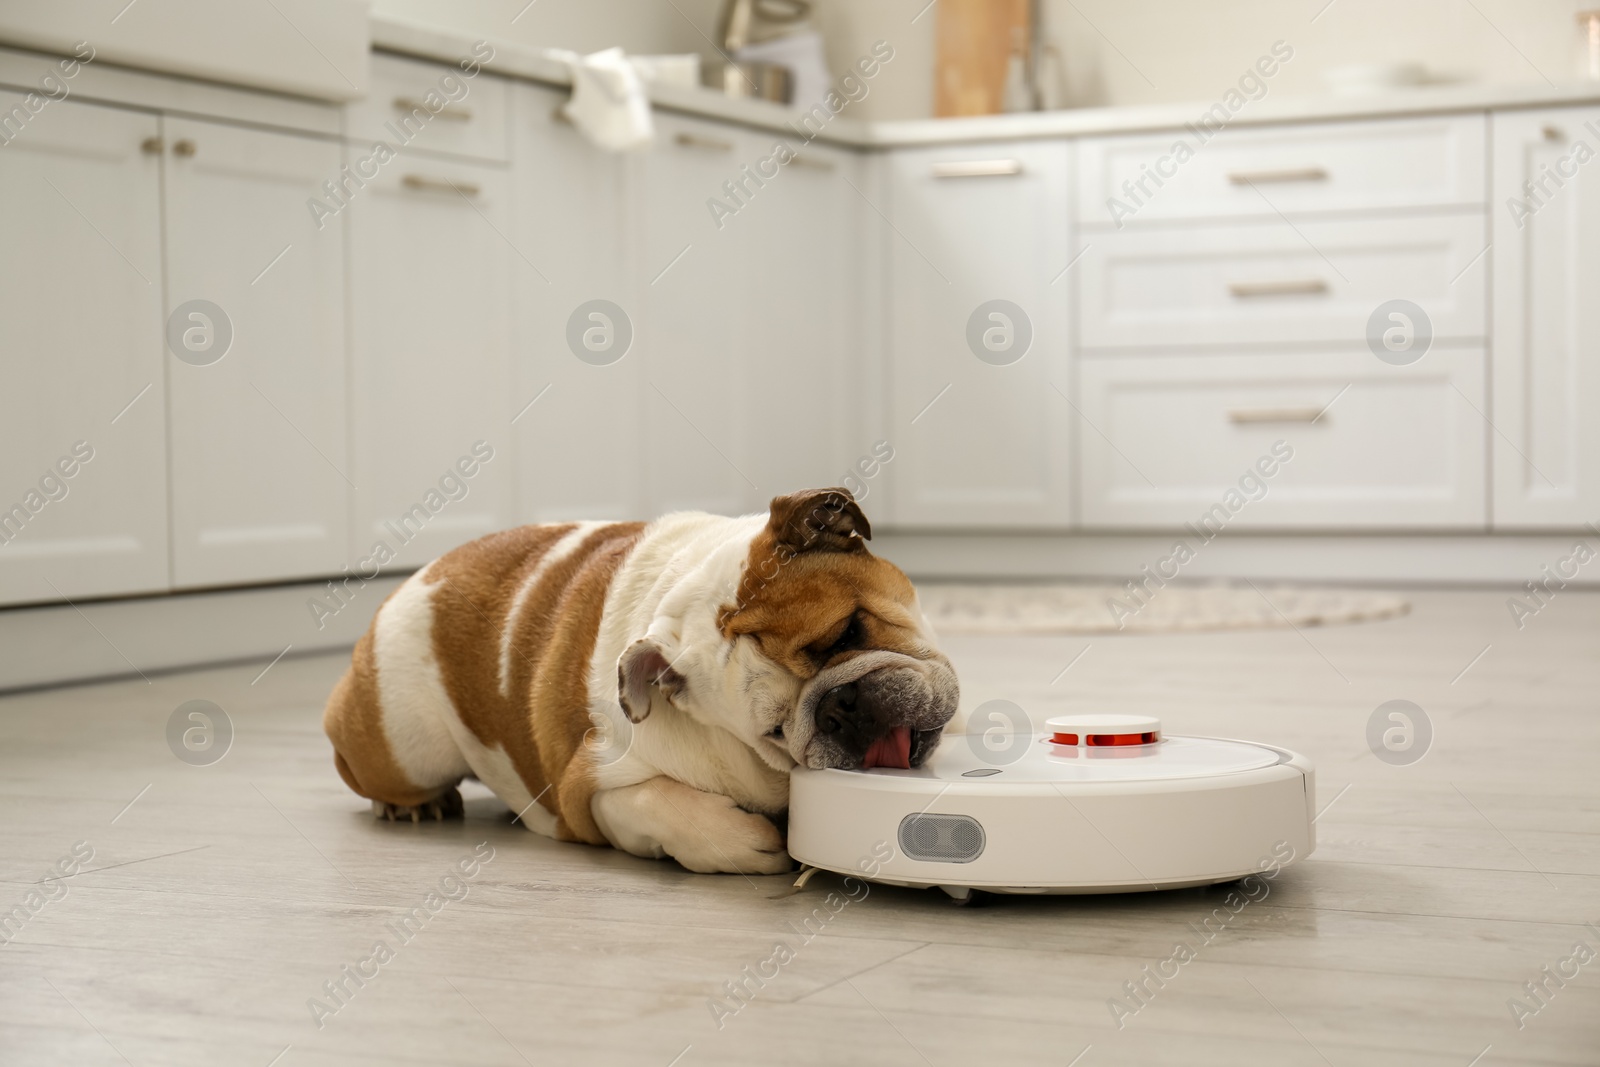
x=1104, y=731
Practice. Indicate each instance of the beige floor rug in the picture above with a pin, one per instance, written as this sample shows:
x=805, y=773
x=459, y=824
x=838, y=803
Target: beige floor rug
x=1084, y=609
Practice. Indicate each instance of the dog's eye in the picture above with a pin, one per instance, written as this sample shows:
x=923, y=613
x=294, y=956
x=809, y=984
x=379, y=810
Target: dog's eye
x=776, y=733
x=853, y=635
x=850, y=638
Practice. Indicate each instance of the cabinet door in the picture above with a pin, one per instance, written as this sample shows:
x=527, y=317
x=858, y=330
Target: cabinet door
x=80, y=304
x=798, y=416
x=260, y=476
x=690, y=336
x=578, y=446
x=1546, y=318
x=985, y=433
x=430, y=324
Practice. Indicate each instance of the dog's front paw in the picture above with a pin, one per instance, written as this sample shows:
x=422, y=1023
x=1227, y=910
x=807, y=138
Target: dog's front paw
x=734, y=841
x=709, y=833
x=446, y=805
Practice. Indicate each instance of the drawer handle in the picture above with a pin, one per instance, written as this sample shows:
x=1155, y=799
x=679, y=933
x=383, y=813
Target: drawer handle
x=694, y=140
x=1294, y=174
x=978, y=168
x=184, y=147
x=1250, y=415
x=1293, y=287
x=454, y=114
x=436, y=185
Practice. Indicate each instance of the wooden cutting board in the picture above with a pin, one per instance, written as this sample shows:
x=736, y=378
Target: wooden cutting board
x=973, y=43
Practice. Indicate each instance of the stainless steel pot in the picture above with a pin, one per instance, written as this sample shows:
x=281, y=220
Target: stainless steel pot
x=757, y=81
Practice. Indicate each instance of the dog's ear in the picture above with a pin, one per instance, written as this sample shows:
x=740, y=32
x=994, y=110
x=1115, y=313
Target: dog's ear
x=643, y=670
x=826, y=520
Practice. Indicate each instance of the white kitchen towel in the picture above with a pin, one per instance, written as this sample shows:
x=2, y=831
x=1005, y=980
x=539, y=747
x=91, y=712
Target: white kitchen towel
x=609, y=104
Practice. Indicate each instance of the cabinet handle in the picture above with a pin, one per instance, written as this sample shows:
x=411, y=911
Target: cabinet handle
x=151, y=146
x=1294, y=174
x=454, y=114
x=437, y=185
x=1249, y=415
x=1292, y=287
x=184, y=148
x=812, y=162
x=694, y=140
x=1552, y=133
x=978, y=168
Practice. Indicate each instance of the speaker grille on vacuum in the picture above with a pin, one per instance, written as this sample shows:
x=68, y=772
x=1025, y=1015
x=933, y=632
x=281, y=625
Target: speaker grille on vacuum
x=941, y=838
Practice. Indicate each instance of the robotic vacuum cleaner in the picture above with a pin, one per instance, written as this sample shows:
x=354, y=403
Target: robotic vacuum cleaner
x=1098, y=804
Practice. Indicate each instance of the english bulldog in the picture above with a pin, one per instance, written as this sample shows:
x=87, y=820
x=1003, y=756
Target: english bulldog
x=646, y=686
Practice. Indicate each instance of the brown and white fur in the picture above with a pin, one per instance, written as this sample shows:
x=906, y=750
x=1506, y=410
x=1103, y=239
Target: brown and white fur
x=647, y=686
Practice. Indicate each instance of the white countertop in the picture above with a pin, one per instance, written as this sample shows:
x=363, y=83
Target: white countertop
x=1108, y=120
x=395, y=35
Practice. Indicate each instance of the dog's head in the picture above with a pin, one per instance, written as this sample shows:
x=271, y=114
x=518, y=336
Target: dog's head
x=821, y=656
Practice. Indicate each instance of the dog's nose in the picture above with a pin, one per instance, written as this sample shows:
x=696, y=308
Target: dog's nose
x=836, y=708
x=854, y=715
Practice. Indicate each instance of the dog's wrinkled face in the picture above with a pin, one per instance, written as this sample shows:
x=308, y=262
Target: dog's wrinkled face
x=823, y=656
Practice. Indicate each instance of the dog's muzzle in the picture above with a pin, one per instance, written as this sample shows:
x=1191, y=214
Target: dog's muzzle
x=888, y=714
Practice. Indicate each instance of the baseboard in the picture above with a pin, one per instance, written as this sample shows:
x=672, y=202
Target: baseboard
x=60, y=643
x=1375, y=559
x=56, y=643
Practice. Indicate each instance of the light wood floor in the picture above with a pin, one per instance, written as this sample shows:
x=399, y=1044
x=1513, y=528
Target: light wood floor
x=219, y=899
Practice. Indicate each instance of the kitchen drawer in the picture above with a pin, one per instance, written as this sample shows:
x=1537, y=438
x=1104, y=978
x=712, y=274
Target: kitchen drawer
x=1370, y=445
x=1245, y=172
x=1271, y=282
x=432, y=106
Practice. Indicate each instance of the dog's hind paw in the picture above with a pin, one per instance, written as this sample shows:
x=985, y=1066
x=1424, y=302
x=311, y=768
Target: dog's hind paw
x=446, y=805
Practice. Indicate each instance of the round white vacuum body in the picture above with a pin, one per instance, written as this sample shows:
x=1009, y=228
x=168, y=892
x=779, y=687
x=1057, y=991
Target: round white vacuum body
x=1100, y=804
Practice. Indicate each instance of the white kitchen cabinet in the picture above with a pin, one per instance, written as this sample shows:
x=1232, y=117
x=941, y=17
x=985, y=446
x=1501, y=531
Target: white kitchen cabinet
x=799, y=415
x=741, y=380
x=260, y=473
x=1546, y=318
x=80, y=312
x=579, y=447
x=690, y=336
x=431, y=275
x=979, y=443
x=1374, y=446
x=760, y=327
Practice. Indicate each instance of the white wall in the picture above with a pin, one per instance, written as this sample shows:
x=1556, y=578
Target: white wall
x=1173, y=50
x=1116, y=51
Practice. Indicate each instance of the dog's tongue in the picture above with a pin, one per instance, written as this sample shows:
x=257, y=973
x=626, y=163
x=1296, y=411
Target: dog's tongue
x=893, y=749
